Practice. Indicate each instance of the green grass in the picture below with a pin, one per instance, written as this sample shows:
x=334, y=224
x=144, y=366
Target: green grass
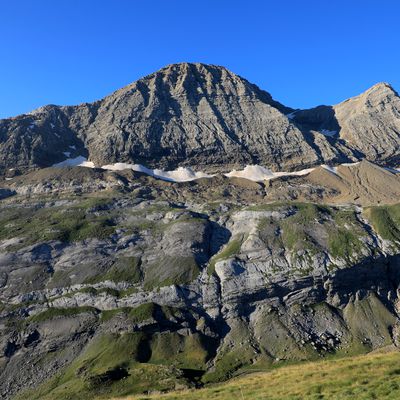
x=147, y=362
x=230, y=250
x=68, y=223
x=124, y=269
x=140, y=313
x=372, y=376
x=343, y=230
x=343, y=244
x=86, y=377
x=52, y=313
x=385, y=221
x=181, y=351
x=294, y=227
x=171, y=270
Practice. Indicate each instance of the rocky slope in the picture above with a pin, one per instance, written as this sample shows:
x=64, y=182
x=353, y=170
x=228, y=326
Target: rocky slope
x=369, y=124
x=114, y=282
x=117, y=283
x=207, y=117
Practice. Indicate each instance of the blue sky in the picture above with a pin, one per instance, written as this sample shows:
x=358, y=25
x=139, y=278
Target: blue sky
x=304, y=53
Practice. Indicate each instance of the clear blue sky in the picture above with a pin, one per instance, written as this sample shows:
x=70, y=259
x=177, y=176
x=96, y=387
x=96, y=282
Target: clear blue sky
x=303, y=52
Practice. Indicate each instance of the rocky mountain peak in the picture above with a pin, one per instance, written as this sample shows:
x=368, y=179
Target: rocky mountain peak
x=206, y=117
x=195, y=80
x=378, y=94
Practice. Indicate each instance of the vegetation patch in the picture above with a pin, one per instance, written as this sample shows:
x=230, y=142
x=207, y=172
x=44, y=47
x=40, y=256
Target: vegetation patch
x=52, y=313
x=141, y=313
x=385, y=221
x=230, y=250
x=372, y=376
x=188, y=352
x=171, y=270
x=124, y=269
x=67, y=224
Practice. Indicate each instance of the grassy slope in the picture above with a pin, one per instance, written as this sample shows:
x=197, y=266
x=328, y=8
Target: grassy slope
x=385, y=221
x=372, y=376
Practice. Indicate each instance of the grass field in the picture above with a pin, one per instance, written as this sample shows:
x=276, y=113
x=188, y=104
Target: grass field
x=372, y=376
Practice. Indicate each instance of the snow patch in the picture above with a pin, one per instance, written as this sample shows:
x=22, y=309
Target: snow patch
x=253, y=172
x=79, y=161
x=330, y=168
x=8, y=179
x=67, y=153
x=350, y=164
x=257, y=173
x=179, y=175
x=292, y=114
x=72, y=147
x=326, y=132
x=392, y=170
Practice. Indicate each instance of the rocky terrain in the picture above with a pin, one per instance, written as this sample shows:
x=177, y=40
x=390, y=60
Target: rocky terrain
x=206, y=117
x=115, y=282
x=280, y=244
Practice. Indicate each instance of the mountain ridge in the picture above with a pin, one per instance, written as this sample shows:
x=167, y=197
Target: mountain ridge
x=207, y=117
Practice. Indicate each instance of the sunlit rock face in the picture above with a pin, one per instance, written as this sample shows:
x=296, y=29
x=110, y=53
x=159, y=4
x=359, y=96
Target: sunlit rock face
x=207, y=118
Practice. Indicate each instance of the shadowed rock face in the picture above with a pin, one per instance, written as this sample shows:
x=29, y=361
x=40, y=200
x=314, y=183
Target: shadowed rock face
x=368, y=124
x=207, y=117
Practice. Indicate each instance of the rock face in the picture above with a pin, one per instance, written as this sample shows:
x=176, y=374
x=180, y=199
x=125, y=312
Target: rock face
x=368, y=124
x=207, y=117
x=133, y=285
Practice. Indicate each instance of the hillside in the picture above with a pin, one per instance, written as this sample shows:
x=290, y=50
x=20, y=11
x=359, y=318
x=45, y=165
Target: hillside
x=187, y=229
x=361, y=378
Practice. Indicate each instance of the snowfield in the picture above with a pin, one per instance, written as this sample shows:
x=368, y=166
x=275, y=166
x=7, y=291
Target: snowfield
x=255, y=173
x=179, y=175
x=79, y=161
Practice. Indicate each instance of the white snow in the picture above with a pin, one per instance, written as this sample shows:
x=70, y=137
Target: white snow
x=326, y=132
x=72, y=147
x=67, y=153
x=52, y=125
x=179, y=175
x=253, y=172
x=393, y=170
x=79, y=161
x=8, y=179
x=291, y=115
x=122, y=166
x=330, y=168
x=257, y=173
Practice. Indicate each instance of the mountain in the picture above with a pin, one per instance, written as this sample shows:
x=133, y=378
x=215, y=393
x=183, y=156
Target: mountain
x=128, y=280
x=369, y=124
x=116, y=283
x=206, y=117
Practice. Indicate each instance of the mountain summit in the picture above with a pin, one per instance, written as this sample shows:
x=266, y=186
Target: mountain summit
x=205, y=116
